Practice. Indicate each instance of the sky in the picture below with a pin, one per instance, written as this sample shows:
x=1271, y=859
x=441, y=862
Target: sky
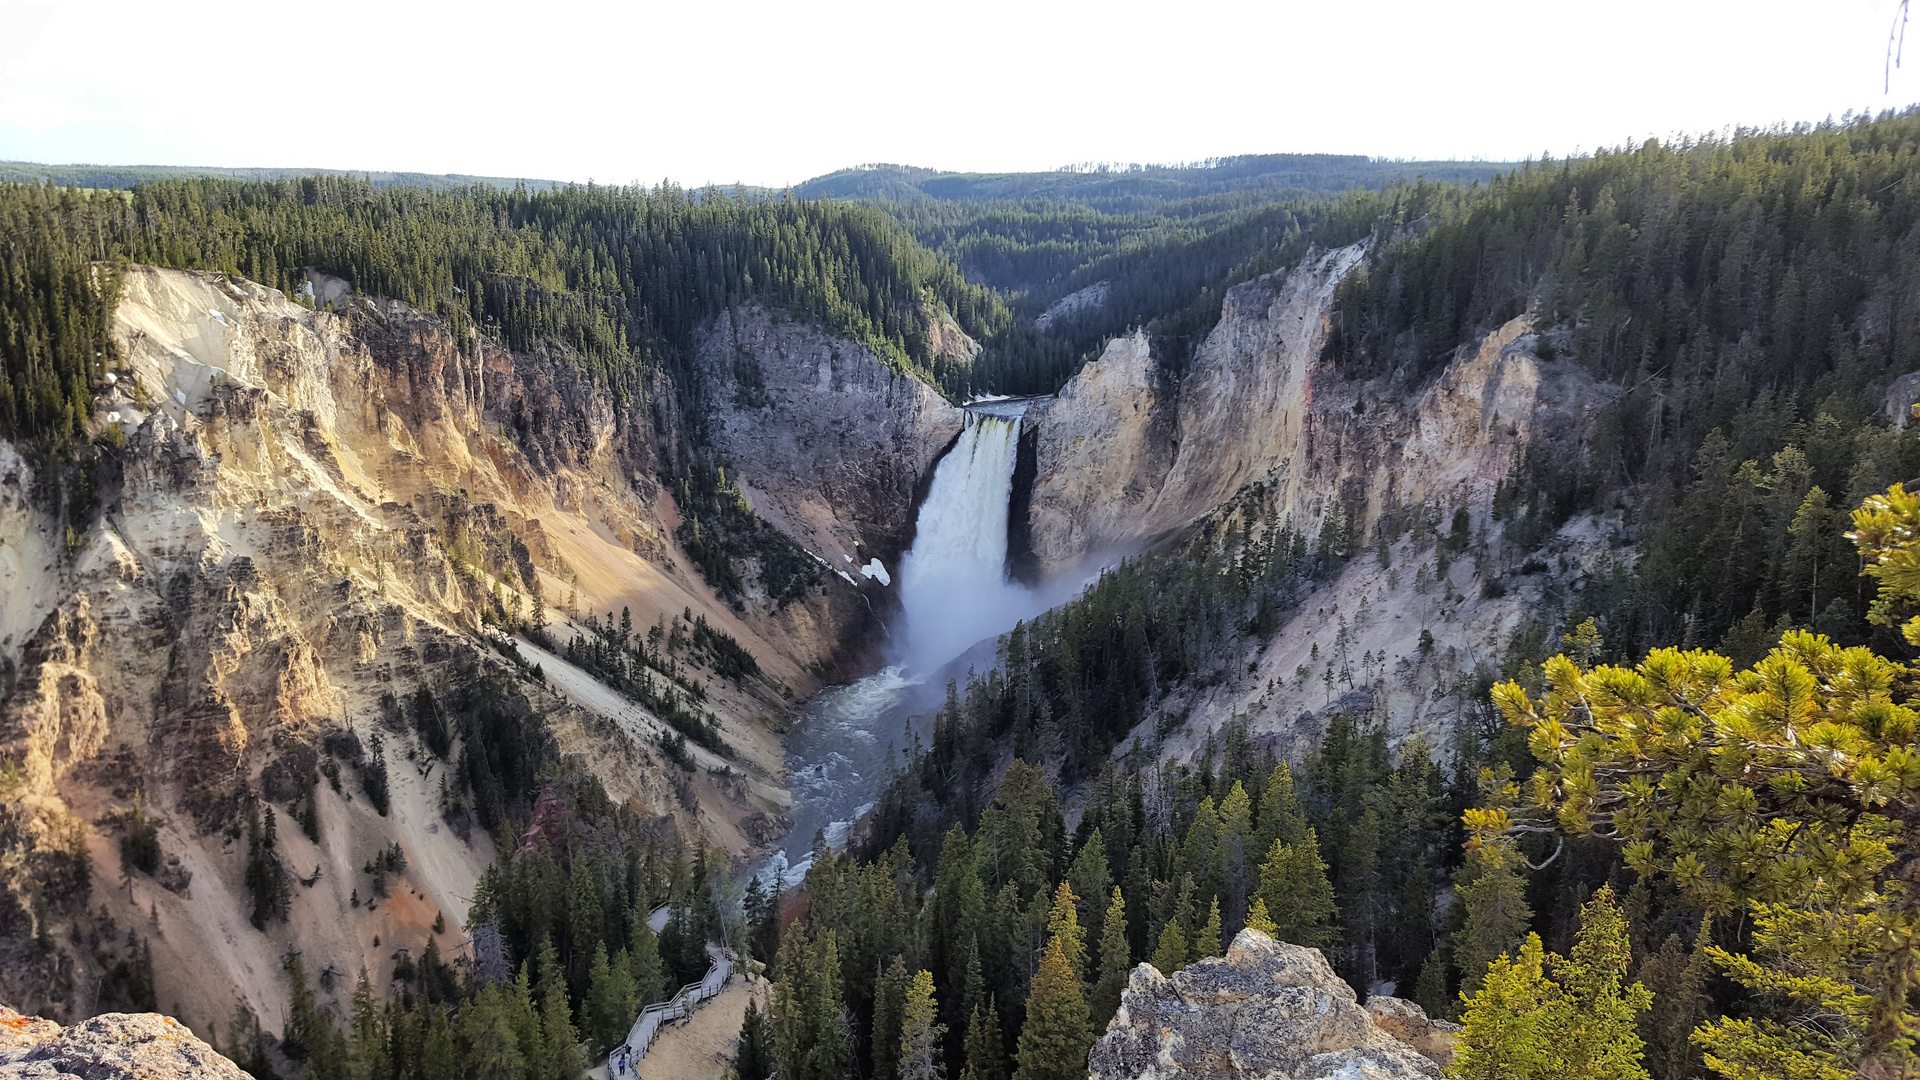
x=775, y=92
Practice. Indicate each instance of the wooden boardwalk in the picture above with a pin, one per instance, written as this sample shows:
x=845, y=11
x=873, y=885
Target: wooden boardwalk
x=679, y=1007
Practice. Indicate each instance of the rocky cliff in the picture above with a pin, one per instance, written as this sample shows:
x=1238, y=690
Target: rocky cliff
x=829, y=443
x=112, y=1046
x=304, y=516
x=1130, y=455
x=1265, y=1011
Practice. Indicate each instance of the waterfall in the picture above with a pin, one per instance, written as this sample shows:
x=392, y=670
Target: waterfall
x=954, y=593
x=953, y=583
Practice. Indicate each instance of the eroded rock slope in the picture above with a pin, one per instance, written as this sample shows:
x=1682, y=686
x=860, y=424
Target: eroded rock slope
x=304, y=517
x=1260, y=428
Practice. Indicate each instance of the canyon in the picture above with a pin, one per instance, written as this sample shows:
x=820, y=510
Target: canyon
x=309, y=511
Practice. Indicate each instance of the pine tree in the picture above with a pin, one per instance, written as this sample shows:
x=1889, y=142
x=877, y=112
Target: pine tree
x=1293, y=882
x=523, y=1017
x=1235, y=856
x=754, y=1058
x=832, y=1057
x=792, y=971
x=1281, y=816
x=1199, y=854
x=1115, y=964
x=610, y=1007
x=489, y=1045
x=1506, y=1034
x=1091, y=876
x=584, y=922
x=1207, y=942
x=303, y=1018
x=890, y=987
x=1600, y=1037
x=985, y=1050
x=1430, y=990
x=1540, y=1017
x=1063, y=925
x=367, y=1045
x=439, y=1057
x=920, y=1032
x=266, y=877
x=1054, y=1040
x=1257, y=918
x=643, y=959
x=1170, y=954
x=564, y=1059
x=1677, y=976
x=1495, y=901
x=1834, y=998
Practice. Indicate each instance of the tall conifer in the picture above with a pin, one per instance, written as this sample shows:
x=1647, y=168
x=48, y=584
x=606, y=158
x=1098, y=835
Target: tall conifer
x=921, y=1033
x=1054, y=1040
x=1293, y=882
x=1115, y=964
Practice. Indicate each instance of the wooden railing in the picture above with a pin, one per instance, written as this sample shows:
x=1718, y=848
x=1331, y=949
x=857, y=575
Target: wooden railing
x=679, y=1007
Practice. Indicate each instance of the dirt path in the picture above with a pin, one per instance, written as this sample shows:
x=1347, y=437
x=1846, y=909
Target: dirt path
x=702, y=1048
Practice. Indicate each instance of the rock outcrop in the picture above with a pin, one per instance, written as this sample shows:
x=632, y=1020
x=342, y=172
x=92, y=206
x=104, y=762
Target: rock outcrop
x=1265, y=1011
x=828, y=442
x=1129, y=453
x=111, y=1046
x=1409, y=1023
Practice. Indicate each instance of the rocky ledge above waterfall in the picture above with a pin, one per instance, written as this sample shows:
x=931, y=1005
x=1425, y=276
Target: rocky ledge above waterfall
x=1266, y=1010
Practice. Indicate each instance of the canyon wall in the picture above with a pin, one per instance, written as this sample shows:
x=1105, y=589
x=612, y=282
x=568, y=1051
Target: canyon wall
x=1130, y=456
x=301, y=516
x=828, y=442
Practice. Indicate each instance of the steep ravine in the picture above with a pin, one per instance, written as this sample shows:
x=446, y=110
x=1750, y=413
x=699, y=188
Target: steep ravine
x=1128, y=456
x=829, y=443
x=305, y=518
x=310, y=508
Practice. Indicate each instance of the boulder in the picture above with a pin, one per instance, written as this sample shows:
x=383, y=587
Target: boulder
x=111, y=1046
x=1409, y=1023
x=1265, y=1011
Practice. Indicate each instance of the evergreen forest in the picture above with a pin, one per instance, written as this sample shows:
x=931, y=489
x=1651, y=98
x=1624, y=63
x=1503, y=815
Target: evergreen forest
x=1675, y=828
x=1672, y=835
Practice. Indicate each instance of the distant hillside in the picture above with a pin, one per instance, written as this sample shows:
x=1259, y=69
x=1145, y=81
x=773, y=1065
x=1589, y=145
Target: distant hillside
x=1124, y=246
x=126, y=176
x=1122, y=188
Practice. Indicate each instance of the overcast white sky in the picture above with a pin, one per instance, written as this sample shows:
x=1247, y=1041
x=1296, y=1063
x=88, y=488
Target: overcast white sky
x=775, y=92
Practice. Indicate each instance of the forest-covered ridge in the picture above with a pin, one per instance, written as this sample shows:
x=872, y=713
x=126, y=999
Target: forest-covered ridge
x=1128, y=188
x=1753, y=298
x=1166, y=242
x=615, y=279
x=122, y=177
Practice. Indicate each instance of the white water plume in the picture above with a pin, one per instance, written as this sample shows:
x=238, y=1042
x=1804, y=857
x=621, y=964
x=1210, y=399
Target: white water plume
x=953, y=583
x=954, y=594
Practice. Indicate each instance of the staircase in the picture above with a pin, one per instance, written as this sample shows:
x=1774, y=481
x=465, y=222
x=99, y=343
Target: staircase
x=678, y=1007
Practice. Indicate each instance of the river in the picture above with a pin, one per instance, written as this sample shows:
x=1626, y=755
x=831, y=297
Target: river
x=955, y=597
